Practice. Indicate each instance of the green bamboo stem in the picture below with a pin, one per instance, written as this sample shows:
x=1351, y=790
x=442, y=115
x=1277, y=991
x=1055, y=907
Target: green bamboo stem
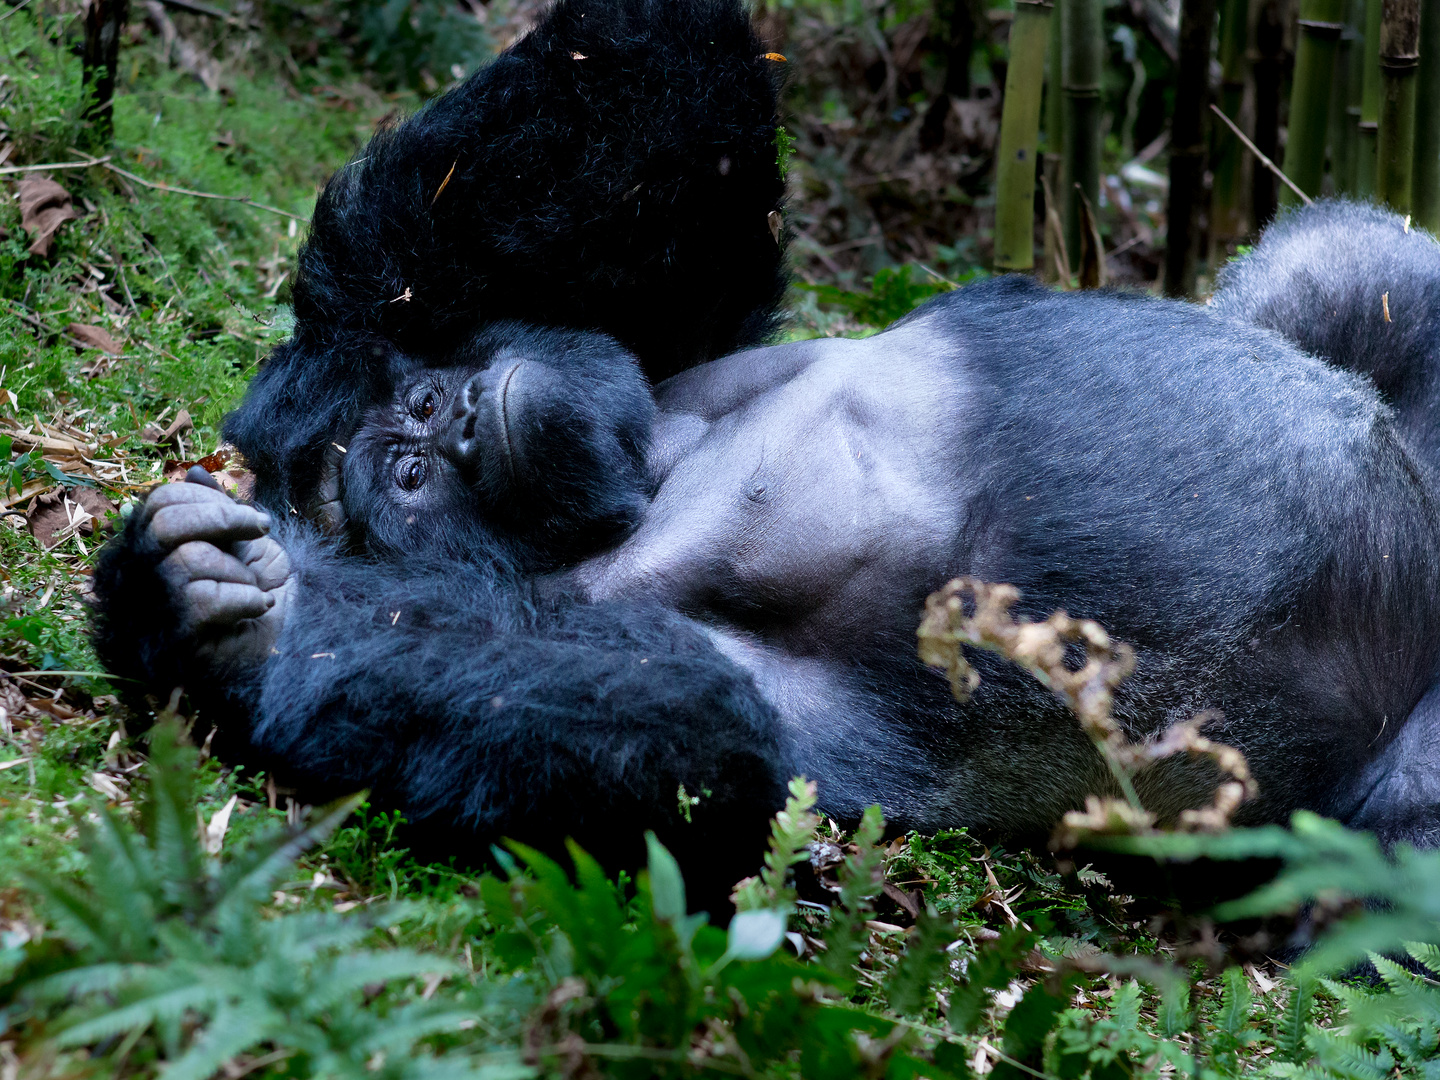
x=1341, y=130
x=1227, y=212
x=1425, y=199
x=1367, y=140
x=1187, y=145
x=1321, y=24
x=1081, y=67
x=1355, y=87
x=1020, y=137
x=1399, y=68
x=1054, y=144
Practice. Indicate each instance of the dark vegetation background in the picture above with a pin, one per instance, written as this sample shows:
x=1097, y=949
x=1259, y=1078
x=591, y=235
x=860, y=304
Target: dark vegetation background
x=162, y=915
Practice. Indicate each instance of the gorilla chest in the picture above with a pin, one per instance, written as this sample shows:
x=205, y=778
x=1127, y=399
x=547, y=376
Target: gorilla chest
x=821, y=511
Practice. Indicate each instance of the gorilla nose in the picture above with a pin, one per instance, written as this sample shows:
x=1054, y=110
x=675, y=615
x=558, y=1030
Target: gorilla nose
x=479, y=431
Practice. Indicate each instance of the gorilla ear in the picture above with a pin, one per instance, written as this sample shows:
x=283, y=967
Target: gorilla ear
x=327, y=510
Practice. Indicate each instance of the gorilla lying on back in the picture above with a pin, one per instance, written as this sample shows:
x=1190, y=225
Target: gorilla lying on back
x=1244, y=515
x=565, y=605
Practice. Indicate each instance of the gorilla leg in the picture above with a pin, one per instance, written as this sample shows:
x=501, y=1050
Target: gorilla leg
x=1356, y=286
x=1398, y=795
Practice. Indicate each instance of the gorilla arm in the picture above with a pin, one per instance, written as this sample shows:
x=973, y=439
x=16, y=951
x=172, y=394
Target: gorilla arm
x=447, y=689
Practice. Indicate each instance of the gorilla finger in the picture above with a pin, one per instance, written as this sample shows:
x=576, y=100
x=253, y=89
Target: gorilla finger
x=216, y=522
x=197, y=474
x=199, y=561
x=223, y=603
x=175, y=494
x=266, y=559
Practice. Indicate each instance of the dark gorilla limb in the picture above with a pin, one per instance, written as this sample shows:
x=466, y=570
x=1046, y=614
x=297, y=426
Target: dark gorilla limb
x=456, y=694
x=1352, y=284
x=1398, y=795
x=615, y=170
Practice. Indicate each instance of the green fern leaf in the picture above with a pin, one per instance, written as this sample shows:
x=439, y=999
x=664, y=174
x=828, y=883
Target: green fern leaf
x=1427, y=954
x=1235, y=1002
x=162, y=999
x=248, y=880
x=347, y=974
x=235, y=1028
x=791, y=832
x=1294, y=1020
x=1340, y=1054
x=167, y=817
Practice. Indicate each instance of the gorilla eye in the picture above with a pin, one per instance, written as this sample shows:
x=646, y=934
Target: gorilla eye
x=426, y=408
x=411, y=473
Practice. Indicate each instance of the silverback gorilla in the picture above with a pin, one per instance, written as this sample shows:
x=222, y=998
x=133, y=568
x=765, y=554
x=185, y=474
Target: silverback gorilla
x=565, y=601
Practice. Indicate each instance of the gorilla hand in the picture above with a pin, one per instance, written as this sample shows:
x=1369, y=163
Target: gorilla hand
x=230, y=580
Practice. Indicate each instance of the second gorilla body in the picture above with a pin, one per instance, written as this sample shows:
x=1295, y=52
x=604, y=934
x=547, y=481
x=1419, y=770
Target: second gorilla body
x=738, y=602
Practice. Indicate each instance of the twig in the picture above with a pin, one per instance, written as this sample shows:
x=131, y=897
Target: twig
x=9, y=169
x=104, y=162
x=204, y=9
x=34, y=320
x=23, y=4
x=198, y=194
x=1262, y=158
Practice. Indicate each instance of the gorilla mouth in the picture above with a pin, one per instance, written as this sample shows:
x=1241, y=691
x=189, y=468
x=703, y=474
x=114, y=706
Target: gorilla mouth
x=507, y=443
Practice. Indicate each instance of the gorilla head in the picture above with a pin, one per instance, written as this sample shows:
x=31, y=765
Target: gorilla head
x=535, y=439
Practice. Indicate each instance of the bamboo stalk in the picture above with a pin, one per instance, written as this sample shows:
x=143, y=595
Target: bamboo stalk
x=1187, y=145
x=1367, y=141
x=1355, y=87
x=1054, y=152
x=1340, y=134
x=1399, y=68
x=1268, y=74
x=1320, y=28
x=104, y=23
x=1020, y=137
x=1082, y=65
x=1227, y=212
x=1425, y=199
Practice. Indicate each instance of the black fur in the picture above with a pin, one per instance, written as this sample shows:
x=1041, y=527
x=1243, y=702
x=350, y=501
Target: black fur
x=565, y=478
x=615, y=171
x=1243, y=514
x=1357, y=286
x=1326, y=276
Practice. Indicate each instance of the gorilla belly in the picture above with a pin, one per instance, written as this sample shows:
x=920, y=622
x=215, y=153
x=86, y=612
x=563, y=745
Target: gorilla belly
x=818, y=508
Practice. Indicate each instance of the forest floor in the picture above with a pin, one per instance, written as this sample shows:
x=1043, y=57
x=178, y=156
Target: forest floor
x=122, y=347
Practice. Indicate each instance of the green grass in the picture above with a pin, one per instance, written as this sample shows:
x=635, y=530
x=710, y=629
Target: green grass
x=194, y=290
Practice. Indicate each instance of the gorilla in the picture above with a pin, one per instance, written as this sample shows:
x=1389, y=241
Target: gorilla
x=1246, y=516
x=563, y=603
x=1359, y=287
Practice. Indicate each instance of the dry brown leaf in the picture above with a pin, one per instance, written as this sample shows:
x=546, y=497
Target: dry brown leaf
x=95, y=337
x=44, y=207
x=181, y=424
x=58, y=515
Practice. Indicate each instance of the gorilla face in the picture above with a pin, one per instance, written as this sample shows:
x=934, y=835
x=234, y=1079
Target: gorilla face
x=534, y=438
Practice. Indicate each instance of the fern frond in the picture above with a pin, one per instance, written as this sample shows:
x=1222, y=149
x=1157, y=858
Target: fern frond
x=1426, y=954
x=1294, y=1020
x=1345, y=1057
x=235, y=1028
x=908, y=987
x=346, y=974
x=167, y=817
x=401, y=1030
x=163, y=1000
x=791, y=832
x=78, y=914
x=249, y=879
x=1235, y=1002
